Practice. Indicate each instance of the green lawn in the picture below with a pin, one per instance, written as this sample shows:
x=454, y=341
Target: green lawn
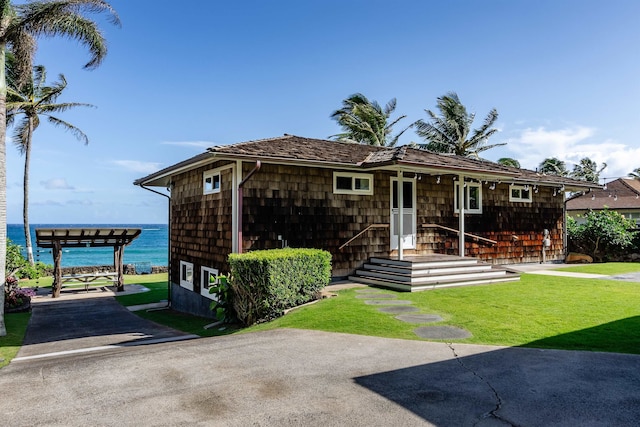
x=16, y=324
x=609, y=268
x=539, y=311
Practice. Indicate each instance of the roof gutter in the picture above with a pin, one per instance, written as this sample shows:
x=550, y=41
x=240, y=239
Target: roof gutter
x=240, y=201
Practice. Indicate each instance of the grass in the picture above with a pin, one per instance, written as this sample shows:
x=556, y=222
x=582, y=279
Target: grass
x=609, y=268
x=539, y=311
x=16, y=324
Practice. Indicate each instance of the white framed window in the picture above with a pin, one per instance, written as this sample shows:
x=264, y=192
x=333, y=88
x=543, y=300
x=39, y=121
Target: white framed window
x=211, y=182
x=472, y=198
x=519, y=193
x=208, y=278
x=186, y=275
x=352, y=183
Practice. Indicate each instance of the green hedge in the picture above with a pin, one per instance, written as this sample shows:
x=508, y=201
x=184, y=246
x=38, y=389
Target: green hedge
x=265, y=283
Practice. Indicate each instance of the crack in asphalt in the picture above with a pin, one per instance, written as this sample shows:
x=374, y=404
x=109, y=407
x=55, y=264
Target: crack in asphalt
x=494, y=412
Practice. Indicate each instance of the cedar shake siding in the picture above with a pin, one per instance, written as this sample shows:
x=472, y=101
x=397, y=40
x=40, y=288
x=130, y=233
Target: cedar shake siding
x=290, y=200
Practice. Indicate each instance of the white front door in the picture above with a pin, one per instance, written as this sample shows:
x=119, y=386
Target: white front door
x=408, y=213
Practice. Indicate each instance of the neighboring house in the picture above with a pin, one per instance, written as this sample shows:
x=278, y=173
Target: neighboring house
x=344, y=198
x=621, y=195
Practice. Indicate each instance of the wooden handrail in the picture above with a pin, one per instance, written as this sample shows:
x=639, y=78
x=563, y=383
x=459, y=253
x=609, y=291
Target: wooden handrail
x=453, y=230
x=362, y=232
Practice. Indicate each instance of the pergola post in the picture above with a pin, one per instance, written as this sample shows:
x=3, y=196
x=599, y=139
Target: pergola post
x=57, y=270
x=118, y=259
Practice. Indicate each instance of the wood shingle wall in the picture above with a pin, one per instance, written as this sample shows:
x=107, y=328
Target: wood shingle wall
x=295, y=206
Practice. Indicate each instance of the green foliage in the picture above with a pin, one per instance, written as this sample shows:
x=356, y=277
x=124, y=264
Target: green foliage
x=604, y=235
x=587, y=170
x=18, y=266
x=265, y=283
x=223, y=304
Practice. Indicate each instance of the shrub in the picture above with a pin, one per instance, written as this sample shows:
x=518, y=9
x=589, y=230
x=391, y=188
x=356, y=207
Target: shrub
x=605, y=234
x=18, y=266
x=265, y=283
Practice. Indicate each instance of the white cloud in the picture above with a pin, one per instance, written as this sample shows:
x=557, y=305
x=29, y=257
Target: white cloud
x=195, y=144
x=570, y=145
x=48, y=203
x=80, y=202
x=56, y=184
x=138, y=166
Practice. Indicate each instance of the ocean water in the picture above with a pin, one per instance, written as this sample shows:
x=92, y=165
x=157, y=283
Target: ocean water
x=150, y=248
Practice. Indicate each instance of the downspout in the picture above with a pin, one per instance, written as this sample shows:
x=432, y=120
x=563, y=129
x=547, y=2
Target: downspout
x=240, y=202
x=168, y=242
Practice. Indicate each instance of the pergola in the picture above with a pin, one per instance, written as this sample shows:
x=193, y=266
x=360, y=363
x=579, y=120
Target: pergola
x=58, y=238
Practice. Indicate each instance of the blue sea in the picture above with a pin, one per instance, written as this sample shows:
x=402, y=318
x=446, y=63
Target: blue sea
x=150, y=248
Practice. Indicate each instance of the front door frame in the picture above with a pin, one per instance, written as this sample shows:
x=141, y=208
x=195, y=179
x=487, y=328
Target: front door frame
x=398, y=240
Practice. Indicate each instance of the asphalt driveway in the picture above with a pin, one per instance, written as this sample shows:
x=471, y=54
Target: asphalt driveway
x=84, y=321
x=310, y=378
x=82, y=364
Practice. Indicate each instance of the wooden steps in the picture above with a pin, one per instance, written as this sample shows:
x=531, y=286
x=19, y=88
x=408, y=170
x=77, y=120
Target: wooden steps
x=430, y=272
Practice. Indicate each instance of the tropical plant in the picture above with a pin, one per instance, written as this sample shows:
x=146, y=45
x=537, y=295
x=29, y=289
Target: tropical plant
x=553, y=166
x=34, y=100
x=605, y=234
x=587, y=170
x=635, y=174
x=451, y=131
x=20, y=25
x=366, y=122
x=508, y=161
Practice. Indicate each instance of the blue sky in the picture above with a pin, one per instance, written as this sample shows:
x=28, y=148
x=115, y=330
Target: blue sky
x=179, y=77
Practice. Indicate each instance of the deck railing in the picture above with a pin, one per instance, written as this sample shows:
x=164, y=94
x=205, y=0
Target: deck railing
x=453, y=230
x=371, y=226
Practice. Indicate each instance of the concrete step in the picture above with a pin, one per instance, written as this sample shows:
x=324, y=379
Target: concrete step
x=417, y=272
x=430, y=278
x=391, y=284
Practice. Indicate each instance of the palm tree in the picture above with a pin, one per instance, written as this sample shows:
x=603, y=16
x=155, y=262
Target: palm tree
x=20, y=25
x=366, y=122
x=450, y=132
x=635, y=174
x=553, y=166
x=508, y=161
x=587, y=170
x=33, y=101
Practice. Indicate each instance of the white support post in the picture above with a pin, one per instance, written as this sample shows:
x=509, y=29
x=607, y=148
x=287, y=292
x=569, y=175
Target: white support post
x=461, y=200
x=400, y=191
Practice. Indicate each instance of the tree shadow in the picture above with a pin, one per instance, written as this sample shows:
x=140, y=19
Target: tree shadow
x=525, y=386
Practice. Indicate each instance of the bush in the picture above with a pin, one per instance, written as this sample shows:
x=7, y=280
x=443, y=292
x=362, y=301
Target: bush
x=18, y=266
x=605, y=235
x=266, y=283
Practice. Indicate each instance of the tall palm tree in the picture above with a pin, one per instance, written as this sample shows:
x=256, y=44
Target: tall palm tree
x=451, y=131
x=553, y=166
x=635, y=174
x=587, y=170
x=508, y=161
x=20, y=25
x=33, y=101
x=366, y=122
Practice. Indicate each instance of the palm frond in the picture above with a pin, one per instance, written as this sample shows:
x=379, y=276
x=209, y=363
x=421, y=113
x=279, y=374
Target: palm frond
x=75, y=131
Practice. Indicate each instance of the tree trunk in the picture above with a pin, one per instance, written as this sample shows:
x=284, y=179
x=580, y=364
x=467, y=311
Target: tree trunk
x=3, y=181
x=57, y=270
x=25, y=201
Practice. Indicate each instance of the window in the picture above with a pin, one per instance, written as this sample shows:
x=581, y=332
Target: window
x=208, y=278
x=519, y=193
x=186, y=275
x=352, y=183
x=472, y=198
x=211, y=182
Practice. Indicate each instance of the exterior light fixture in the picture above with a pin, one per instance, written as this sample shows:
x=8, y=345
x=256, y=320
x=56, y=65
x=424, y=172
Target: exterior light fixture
x=593, y=197
x=555, y=192
x=535, y=189
x=615, y=197
x=438, y=179
x=492, y=186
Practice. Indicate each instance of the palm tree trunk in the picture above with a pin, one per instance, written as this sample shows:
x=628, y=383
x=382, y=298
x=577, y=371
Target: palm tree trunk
x=3, y=184
x=25, y=206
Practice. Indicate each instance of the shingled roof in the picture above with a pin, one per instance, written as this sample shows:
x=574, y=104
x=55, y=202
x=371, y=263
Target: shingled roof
x=623, y=193
x=293, y=149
